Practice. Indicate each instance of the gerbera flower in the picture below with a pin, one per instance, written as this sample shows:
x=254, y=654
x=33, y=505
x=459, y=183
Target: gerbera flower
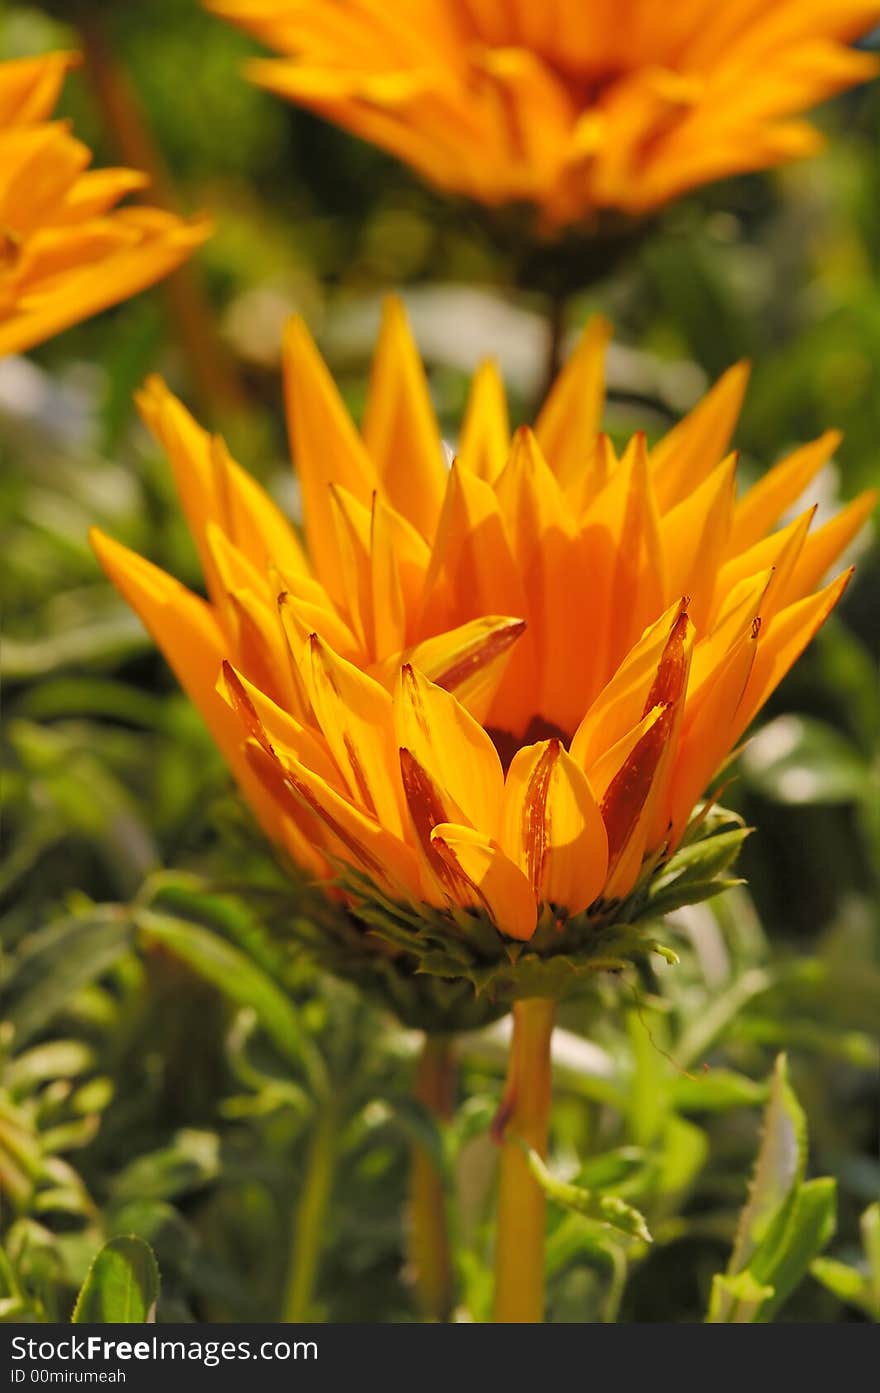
x=571, y=105
x=488, y=695
x=66, y=250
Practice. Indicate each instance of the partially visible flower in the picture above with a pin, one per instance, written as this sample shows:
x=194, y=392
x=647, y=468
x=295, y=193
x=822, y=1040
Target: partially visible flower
x=571, y=105
x=491, y=693
x=66, y=250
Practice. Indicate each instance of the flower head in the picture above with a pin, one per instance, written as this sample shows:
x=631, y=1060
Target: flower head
x=570, y=105
x=66, y=250
x=485, y=697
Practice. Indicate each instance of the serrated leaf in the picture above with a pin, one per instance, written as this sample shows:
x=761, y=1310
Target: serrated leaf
x=778, y=1170
x=121, y=1286
x=603, y=1209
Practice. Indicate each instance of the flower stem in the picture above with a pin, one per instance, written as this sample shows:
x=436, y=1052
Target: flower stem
x=555, y=342
x=310, y=1213
x=430, y=1258
x=524, y=1117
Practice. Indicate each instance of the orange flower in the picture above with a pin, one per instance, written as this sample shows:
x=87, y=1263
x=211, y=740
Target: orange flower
x=570, y=105
x=497, y=687
x=66, y=250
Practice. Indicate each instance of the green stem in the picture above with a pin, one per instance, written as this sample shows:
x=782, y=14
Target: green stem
x=310, y=1213
x=430, y=1258
x=524, y=1117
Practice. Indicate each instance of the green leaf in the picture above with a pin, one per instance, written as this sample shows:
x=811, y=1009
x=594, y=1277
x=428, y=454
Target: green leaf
x=808, y=1225
x=778, y=1170
x=610, y=1210
x=717, y=1090
x=844, y=1282
x=870, y=1227
x=57, y=961
x=238, y=978
x=190, y=1162
x=736, y=1299
x=795, y=760
x=122, y=1285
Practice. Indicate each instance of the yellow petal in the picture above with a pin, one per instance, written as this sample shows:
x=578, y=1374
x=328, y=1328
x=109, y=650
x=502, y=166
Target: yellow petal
x=355, y=716
x=275, y=728
x=455, y=751
x=781, y=643
x=622, y=701
x=468, y=661
x=187, y=633
x=350, y=835
x=631, y=797
x=471, y=574
x=823, y=547
x=778, y=490
x=694, y=537
x=779, y=551
x=488, y=879
x=400, y=429
x=555, y=565
x=622, y=542
x=571, y=415
x=705, y=737
x=684, y=457
x=552, y=827
x=325, y=445
x=485, y=433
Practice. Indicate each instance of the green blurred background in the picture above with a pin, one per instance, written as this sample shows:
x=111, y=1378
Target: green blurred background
x=136, y=1096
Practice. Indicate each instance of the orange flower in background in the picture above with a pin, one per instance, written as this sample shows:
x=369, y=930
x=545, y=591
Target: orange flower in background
x=499, y=685
x=571, y=105
x=66, y=250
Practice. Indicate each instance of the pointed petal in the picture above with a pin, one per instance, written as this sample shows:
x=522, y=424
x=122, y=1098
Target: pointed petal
x=684, y=457
x=552, y=827
x=556, y=565
x=621, y=538
x=779, y=551
x=214, y=489
x=760, y=509
x=455, y=751
x=571, y=415
x=355, y=716
x=627, y=801
x=485, y=433
x=624, y=699
x=400, y=429
x=824, y=547
x=472, y=573
x=705, y=738
x=489, y=879
x=187, y=632
x=325, y=445
x=781, y=643
x=694, y=537
x=349, y=834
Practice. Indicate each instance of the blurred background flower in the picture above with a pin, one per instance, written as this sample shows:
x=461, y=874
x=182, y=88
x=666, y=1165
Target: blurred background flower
x=67, y=250
x=572, y=108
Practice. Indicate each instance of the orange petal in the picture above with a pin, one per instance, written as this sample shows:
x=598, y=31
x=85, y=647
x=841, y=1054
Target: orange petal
x=400, y=429
x=487, y=879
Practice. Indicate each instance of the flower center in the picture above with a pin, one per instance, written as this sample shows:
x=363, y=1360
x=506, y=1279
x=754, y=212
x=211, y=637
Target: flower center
x=507, y=745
